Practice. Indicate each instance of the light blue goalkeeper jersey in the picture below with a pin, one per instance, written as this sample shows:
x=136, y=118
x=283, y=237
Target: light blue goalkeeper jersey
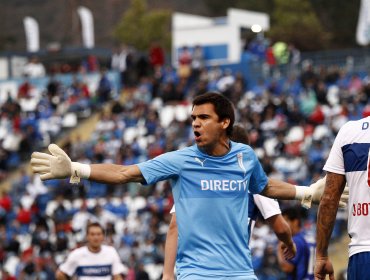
x=211, y=197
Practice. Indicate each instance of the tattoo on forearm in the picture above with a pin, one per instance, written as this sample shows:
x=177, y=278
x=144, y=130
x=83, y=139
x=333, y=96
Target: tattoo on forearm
x=327, y=211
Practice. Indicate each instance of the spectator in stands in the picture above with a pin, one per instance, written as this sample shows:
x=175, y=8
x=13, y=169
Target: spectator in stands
x=141, y=68
x=92, y=63
x=119, y=62
x=12, y=245
x=270, y=60
x=6, y=275
x=79, y=100
x=168, y=93
x=82, y=218
x=197, y=63
x=281, y=52
x=61, y=243
x=184, y=63
x=355, y=85
x=270, y=269
x=104, y=216
x=119, y=208
x=24, y=90
x=30, y=139
x=258, y=47
x=60, y=210
x=53, y=88
x=34, y=68
x=141, y=274
x=308, y=76
x=45, y=247
x=6, y=202
x=294, y=58
x=156, y=56
x=226, y=82
x=104, y=89
x=24, y=217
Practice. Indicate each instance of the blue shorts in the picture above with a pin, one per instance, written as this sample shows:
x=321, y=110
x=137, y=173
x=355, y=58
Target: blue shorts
x=359, y=266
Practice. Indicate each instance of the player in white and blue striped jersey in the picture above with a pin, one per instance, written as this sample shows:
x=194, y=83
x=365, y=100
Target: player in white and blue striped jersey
x=348, y=161
x=93, y=261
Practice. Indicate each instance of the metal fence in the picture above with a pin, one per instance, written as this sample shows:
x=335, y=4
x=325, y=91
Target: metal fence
x=351, y=60
x=354, y=59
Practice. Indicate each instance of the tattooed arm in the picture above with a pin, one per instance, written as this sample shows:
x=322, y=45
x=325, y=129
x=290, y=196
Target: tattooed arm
x=325, y=222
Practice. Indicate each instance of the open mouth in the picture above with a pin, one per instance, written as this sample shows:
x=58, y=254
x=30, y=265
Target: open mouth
x=197, y=136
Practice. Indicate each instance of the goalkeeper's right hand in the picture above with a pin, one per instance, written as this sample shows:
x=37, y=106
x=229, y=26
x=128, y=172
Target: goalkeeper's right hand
x=313, y=193
x=58, y=165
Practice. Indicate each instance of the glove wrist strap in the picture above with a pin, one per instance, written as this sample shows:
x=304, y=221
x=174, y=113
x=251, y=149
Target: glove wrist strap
x=79, y=171
x=304, y=195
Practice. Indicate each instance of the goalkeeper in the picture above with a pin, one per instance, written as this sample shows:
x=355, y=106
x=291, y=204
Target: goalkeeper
x=268, y=208
x=211, y=183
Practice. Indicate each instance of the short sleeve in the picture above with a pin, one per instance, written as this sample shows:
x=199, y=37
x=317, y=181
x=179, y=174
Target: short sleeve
x=258, y=179
x=70, y=265
x=335, y=161
x=267, y=206
x=161, y=168
x=117, y=266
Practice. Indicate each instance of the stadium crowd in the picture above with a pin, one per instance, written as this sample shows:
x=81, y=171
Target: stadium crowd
x=291, y=119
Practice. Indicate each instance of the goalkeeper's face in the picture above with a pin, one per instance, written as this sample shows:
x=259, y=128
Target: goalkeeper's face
x=209, y=130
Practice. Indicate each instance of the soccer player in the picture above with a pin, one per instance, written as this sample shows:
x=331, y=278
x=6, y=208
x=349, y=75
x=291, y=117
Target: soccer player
x=93, y=261
x=270, y=211
x=268, y=207
x=302, y=265
x=348, y=161
x=211, y=183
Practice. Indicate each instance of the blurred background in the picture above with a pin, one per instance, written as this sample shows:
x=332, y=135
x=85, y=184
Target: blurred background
x=112, y=81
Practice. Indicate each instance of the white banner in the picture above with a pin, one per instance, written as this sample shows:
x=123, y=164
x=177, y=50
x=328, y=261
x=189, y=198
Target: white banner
x=87, y=24
x=4, y=66
x=31, y=28
x=363, y=25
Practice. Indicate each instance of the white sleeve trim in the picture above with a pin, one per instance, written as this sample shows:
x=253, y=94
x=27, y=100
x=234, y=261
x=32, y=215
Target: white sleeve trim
x=334, y=170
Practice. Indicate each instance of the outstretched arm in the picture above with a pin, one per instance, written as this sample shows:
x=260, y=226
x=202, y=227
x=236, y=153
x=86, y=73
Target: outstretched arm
x=306, y=195
x=115, y=174
x=335, y=184
x=279, y=190
x=58, y=165
x=170, y=250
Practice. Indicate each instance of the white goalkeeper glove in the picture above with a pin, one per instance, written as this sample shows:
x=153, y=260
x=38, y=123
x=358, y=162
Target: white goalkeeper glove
x=58, y=165
x=313, y=193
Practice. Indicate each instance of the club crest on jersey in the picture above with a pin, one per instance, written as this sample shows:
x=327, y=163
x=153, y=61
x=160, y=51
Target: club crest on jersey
x=200, y=161
x=240, y=162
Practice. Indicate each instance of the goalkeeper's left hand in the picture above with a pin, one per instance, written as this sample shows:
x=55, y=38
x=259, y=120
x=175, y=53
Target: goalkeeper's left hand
x=313, y=193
